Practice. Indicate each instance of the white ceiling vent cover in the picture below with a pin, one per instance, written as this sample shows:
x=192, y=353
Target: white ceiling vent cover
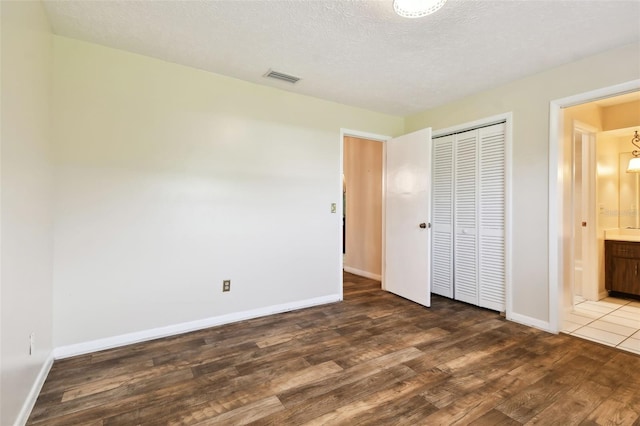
x=282, y=76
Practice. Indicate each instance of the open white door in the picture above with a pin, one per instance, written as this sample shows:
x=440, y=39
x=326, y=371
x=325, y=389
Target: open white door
x=407, y=209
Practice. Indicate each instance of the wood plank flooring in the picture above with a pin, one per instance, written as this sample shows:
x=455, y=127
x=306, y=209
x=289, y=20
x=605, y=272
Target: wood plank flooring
x=373, y=359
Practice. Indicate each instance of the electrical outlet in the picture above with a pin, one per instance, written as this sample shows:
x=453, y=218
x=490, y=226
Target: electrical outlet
x=226, y=285
x=32, y=343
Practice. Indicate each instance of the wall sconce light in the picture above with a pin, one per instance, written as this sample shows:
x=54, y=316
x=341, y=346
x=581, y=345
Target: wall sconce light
x=634, y=163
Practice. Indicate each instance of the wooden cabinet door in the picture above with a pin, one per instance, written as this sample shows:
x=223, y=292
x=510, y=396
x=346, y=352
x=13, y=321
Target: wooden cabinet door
x=623, y=272
x=625, y=275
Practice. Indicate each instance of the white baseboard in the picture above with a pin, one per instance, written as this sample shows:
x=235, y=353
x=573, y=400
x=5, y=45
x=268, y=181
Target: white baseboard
x=30, y=402
x=531, y=322
x=362, y=273
x=185, y=327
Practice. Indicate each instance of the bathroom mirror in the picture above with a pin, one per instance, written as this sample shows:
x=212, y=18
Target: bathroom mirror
x=629, y=184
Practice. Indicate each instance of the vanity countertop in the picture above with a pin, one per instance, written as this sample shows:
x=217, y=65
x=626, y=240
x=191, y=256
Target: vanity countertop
x=618, y=237
x=632, y=235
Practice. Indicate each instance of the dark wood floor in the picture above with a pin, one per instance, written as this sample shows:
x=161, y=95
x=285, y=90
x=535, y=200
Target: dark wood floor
x=373, y=359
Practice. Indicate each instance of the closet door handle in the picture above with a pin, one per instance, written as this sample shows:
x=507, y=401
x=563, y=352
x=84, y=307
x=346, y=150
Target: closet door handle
x=423, y=225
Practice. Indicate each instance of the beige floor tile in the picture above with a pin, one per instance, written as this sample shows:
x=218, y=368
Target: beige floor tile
x=578, y=319
x=614, y=301
x=622, y=321
x=632, y=309
x=622, y=330
x=597, y=307
x=600, y=336
x=570, y=327
x=631, y=345
x=587, y=313
x=626, y=314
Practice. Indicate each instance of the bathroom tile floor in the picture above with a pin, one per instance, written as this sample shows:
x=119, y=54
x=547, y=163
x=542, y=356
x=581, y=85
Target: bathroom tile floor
x=610, y=321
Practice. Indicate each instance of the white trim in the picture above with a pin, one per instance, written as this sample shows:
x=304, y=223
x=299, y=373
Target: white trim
x=363, y=135
x=341, y=220
x=603, y=294
x=507, y=118
x=185, y=327
x=483, y=122
x=556, y=181
x=531, y=322
x=378, y=138
x=363, y=273
x=508, y=214
x=383, y=217
x=590, y=276
x=30, y=401
x=556, y=206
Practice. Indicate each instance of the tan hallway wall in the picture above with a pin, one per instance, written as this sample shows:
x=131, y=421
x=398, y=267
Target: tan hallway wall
x=363, y=182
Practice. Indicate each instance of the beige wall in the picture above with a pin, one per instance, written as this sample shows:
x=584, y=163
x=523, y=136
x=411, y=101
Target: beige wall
x=621, y=116
x=363, y=178
x=529, y=100
x=26, y=230
x=169, y=180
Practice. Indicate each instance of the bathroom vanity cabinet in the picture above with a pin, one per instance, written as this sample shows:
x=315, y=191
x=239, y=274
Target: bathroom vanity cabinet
x=622, y=266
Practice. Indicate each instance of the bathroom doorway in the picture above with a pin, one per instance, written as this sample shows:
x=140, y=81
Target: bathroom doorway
x=596, y=139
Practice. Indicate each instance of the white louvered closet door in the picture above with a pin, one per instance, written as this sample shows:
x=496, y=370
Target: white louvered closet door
x=465, y=217
x=491, y=213
x=442, y=217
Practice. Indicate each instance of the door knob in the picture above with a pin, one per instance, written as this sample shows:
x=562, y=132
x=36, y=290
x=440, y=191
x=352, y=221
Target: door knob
x=423, y=225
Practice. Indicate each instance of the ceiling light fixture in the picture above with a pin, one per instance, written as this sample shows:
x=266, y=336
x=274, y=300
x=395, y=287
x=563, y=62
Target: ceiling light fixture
x=416, y=8
x=634, y=163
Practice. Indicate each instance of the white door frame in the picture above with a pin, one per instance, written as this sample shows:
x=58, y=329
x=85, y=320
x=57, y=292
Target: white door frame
x=558, y=230
x=373, y=137
x=507, y=118
x=589, y=235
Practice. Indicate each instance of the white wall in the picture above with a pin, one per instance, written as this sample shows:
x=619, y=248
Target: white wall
x=169, y=179
x=529, y=100
x=26, y=238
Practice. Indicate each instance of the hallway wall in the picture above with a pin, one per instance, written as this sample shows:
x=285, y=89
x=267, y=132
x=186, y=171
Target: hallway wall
x=363, y=178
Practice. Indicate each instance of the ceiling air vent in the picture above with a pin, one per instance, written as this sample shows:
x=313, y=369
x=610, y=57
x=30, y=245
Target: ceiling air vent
x=282, y=76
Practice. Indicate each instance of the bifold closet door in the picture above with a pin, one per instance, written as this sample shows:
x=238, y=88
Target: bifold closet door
x=465, y=218
x=491, y=214
x=442, y=217
x=468, y=217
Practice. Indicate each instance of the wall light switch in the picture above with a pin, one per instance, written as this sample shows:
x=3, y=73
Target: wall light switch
x=333, y=207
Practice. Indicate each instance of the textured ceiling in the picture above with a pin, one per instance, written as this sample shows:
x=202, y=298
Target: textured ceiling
x=359, y=52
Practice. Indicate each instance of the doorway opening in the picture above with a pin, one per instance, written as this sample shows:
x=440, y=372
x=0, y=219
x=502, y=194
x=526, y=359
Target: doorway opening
x=590, y=133
x=362, y=206
x=344, y=211
x=404, y=253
